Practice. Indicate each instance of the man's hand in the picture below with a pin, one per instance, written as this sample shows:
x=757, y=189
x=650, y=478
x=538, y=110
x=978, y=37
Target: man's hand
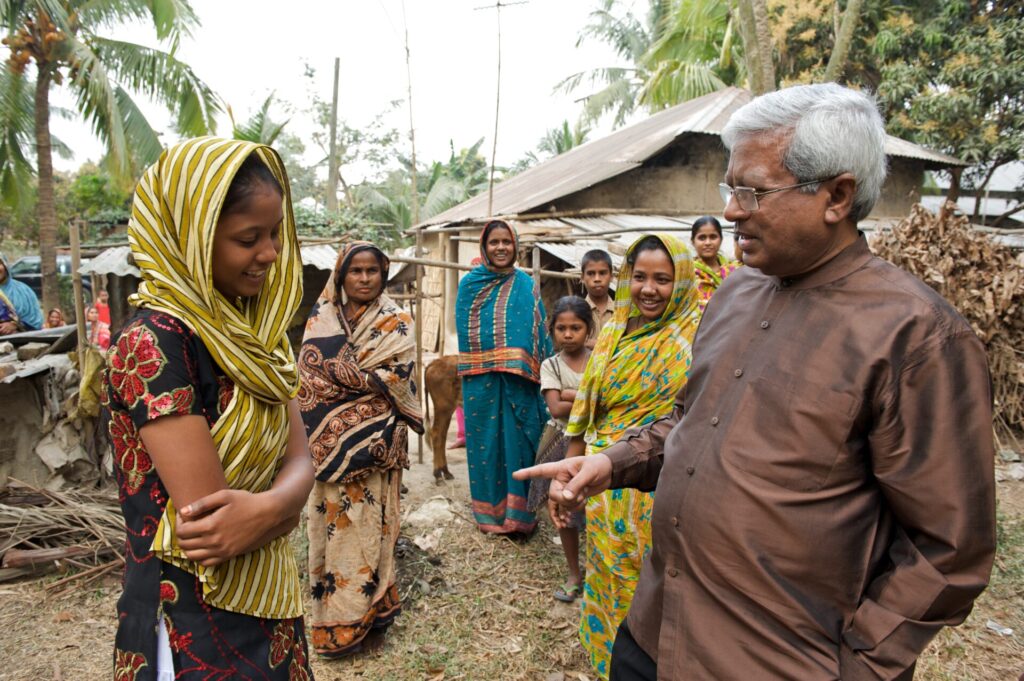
x=225, y=524
x=7, y=328
x=573, y=480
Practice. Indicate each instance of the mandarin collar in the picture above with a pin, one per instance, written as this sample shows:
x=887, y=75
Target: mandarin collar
x=847, y=261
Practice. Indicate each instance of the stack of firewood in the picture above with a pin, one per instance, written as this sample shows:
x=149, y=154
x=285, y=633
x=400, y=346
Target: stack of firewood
x=984, y=281
x=42, y=530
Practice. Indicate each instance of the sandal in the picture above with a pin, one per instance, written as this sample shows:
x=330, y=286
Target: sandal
x=568, y=594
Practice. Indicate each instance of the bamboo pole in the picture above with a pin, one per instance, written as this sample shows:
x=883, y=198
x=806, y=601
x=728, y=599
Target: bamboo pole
x=536, y=266
x=429, y=262
x=76, y=284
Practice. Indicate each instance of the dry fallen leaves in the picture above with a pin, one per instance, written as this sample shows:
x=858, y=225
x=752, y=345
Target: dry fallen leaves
x=983, y=281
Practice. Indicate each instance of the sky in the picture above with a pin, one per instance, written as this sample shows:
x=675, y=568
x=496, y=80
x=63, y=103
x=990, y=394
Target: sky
x=245, y=55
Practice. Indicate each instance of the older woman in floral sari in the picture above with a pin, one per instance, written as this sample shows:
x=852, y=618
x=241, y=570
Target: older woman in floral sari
x=638, y=366
x=358, y=400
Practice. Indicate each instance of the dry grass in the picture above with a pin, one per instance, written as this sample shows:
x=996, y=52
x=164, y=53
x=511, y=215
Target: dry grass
x=479, y=608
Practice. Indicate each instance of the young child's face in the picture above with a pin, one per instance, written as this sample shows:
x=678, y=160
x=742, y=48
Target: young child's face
x=597, y=276
x=570, y=332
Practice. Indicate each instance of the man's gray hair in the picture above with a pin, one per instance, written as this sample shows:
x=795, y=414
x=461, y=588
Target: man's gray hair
x=832, y=130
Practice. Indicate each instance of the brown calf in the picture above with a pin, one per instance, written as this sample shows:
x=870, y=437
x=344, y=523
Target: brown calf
x=442, y=385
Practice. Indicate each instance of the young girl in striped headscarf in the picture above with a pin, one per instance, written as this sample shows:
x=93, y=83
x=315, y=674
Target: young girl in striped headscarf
x=209, y=448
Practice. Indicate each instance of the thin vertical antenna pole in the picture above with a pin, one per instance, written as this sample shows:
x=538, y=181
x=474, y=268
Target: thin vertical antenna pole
x=419, y=235
x=497, y=110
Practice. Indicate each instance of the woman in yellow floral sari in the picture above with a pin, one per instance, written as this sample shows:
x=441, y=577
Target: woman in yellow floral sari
x=711, y=266
x=638, y=366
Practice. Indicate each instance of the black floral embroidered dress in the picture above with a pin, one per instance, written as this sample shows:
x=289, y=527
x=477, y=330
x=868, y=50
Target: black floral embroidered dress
x=159, y=367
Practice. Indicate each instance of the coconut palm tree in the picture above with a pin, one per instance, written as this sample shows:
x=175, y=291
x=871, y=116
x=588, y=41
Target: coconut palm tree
x=62, y=39
x=679, y=50
x=259, y=127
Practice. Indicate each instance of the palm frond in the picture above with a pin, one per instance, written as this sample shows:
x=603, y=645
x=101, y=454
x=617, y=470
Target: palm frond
x=445, y=193
x=259, y=127
x=163, y=78
x=97, y=102
x=172, y=19
x=14, y=12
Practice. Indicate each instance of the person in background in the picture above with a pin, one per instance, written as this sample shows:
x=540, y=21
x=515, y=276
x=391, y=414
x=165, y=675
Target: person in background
x=570, y=325
x=502, y=341
x=825, y=487
x=209, y=447
x=460, y=429
x=358, y=401
x=596, y=267
x=55, y=318
x=712, y=266
x=102, y=305
x=639, y=363
x=9, y=322
x=21, y=298
x=99, y=332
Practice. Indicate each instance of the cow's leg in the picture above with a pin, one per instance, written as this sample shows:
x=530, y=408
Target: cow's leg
x=442, y=421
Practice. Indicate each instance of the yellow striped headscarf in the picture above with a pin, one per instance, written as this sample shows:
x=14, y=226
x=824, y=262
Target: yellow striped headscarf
x=174, y=217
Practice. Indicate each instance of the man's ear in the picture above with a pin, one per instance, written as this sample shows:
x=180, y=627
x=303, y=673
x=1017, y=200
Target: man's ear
x=841, y=191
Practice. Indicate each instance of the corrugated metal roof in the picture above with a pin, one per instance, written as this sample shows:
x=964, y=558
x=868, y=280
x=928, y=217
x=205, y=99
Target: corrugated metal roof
x=114, y=261
x=572, y=253
x=320, y=256
x=623, y=150
x=117, y=261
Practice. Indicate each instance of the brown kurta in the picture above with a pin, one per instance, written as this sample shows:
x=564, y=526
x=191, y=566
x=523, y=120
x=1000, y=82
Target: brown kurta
x=826, y=504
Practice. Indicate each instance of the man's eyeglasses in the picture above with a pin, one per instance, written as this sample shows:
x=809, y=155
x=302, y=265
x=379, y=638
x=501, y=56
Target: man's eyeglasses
x=746, y=197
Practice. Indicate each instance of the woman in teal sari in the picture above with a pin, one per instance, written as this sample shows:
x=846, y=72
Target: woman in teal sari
x=502, y=342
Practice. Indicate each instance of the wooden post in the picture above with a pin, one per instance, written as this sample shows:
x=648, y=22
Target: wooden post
x=76, y=282
x=536, y=266
x=442, y=322
x=332, y=160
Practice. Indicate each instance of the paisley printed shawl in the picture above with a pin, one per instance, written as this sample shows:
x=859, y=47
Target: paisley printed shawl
x=500, y=320
x=174, y=216
x=358, y=392
x=632, y=378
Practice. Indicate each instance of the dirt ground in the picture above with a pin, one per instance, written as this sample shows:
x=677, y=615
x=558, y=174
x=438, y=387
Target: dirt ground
x=479, y=607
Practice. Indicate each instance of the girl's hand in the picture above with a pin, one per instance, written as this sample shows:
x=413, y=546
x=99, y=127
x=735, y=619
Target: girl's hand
x=568, y=395
x=225, y=524
x=560, y=516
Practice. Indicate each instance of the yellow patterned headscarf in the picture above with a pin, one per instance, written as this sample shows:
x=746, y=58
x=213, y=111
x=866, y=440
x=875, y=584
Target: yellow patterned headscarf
x=174, y=217
x=650, y=362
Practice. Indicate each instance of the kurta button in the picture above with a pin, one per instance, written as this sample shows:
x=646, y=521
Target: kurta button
x=672, y=572
x=738, y=373
x=675, y=521
x=690, y=470
x=714, y=420
x=765, y=324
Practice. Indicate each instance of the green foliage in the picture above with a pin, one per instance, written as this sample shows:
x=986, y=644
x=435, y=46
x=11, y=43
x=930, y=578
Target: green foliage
x=63, y=39
x=679, y=50
x=555, y=141
x=259, y=127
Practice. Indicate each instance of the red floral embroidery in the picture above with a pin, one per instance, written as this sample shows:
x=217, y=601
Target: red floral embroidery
x=297, y=669
x=129, y=453
x=135, y=362
x=176, y=402
x=177, y=641
x=168, y=592
x=225, y=391
x=281, y=642
x=127, y=665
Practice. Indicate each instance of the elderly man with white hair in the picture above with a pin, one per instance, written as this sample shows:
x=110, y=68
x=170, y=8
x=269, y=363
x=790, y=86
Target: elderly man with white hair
x=825, y=493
